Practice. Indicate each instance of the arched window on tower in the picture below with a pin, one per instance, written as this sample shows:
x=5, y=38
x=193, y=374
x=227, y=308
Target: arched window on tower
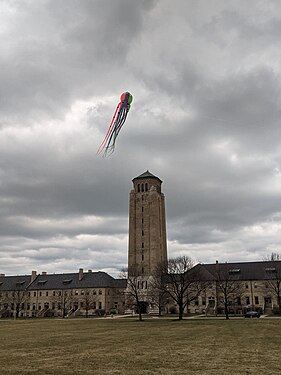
x=146, y=186
x=138, y=188
x=142, y=187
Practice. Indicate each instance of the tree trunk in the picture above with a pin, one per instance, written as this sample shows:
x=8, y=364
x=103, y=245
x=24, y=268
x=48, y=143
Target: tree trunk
x=226, y=310
x=181, y=312
x=140, y=317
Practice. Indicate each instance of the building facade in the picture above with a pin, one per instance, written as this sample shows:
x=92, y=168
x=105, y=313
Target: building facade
x=246, y=286
x=147, y=225
x=65, y=295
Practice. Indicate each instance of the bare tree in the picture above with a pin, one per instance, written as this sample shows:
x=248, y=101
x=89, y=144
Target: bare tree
x=16, y=298
x=273, y=274
x=88, y=301
x=136, y=294
x=183, y=284
x=228, y=285
x=157, y=287
x=64, y=299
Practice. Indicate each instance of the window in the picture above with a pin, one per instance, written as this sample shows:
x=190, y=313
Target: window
x=40, y=294
x=256, y=300
x=34, y=294
x=82, y=292
x=59, y=292
x=47, y=293
x=142, y=257
x=142, y=245
x=100, y=292
x=94, y=292
x=76, y=292
x=100, y=305
x=246, y=286
x=138, y=188
x=146, y=187
x=247, y=300
x=142, y=232
x=54, y=292
x=116, y=305
x=255, y=285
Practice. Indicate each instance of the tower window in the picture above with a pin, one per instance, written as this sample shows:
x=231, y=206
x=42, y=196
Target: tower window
x=146, y=187
x=138, y=188
x=142, y=245
x=142, y=232
x=142, y=257
x=142, y=187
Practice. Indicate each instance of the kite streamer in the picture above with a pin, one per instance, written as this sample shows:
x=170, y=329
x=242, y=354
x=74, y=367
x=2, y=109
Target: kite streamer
x=108, y=145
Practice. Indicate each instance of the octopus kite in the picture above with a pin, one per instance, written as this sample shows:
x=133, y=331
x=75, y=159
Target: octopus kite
x=118, y=120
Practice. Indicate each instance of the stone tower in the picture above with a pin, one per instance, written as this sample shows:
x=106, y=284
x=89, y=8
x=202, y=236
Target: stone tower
x=147, y=225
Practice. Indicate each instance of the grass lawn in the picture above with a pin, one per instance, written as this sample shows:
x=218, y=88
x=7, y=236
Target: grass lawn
x=126, y=346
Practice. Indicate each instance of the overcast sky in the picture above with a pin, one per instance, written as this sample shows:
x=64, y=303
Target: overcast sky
x=206, y=78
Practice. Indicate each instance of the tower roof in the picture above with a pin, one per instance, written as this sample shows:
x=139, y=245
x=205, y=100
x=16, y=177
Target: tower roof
x=146, y=174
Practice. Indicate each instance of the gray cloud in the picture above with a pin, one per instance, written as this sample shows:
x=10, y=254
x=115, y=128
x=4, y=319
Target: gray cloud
x=205, y=119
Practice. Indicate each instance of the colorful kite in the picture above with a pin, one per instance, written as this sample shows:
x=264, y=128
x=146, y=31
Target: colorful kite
x=118, y=120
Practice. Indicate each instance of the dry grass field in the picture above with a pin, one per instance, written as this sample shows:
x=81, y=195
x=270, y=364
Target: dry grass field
x=126, y=346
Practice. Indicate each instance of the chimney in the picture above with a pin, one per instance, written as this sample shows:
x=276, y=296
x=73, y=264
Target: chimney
x=2, y=274
x=90, y=271
x=217, y=262
x=80, y=274
x=33, y=275
x=44, y=273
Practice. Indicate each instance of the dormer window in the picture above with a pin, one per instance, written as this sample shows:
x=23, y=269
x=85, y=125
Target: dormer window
x=234, y=271
x=41, y=282
x=20, y=282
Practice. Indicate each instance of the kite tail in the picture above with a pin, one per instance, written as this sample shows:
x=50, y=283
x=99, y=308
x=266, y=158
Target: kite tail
x=111, y=126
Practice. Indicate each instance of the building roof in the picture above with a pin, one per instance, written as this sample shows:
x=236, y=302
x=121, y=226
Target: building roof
x=264, y=270
x=61, y=281
x=14, y=282
x=71, y=281
x=147, y=174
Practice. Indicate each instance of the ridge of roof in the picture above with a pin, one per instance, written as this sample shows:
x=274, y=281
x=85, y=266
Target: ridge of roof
x=147, y=174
